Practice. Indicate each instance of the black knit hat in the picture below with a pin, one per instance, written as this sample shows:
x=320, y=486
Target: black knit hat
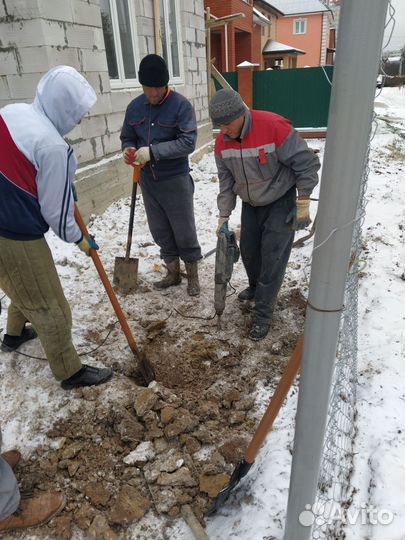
x=226, y=106
x=153, y=71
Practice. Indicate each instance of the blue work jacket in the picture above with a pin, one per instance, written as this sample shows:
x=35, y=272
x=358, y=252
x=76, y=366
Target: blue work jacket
x=169, y=129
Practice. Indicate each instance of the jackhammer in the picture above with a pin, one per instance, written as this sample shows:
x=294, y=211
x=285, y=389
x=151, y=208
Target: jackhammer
x=227, y=254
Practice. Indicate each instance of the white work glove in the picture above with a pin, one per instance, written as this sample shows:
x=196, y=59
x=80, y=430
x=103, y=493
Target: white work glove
x=221, y=221
x=299, y=216
x=142, y=155
x=128, y=155
x=303, y=217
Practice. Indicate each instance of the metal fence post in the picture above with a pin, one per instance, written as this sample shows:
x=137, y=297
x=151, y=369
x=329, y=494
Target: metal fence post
x=357, y=59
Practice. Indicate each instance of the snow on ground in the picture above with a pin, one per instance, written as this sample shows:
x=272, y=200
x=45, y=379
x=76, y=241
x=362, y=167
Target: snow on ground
x=379, y=468
x=31, y=401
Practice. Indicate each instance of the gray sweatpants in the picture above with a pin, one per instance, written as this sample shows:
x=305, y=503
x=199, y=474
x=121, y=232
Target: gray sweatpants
x=9, y=492
x=170, y=211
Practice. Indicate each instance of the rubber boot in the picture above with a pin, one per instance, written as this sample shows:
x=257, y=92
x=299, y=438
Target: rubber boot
x=193, y=286
x=34, y=511
x=173, y=276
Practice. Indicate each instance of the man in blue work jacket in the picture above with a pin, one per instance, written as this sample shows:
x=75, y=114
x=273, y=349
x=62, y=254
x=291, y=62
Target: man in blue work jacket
x=159, y=132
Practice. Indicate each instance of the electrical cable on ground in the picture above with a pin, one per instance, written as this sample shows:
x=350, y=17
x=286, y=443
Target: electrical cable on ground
x=80, y=354
x=92, y=351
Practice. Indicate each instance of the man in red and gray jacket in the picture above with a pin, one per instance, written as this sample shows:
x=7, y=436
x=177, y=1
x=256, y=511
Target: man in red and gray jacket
x=261, y=158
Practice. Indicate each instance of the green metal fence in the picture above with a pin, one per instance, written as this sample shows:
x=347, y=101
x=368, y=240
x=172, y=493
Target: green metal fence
x=231, y=77
x=302, y=95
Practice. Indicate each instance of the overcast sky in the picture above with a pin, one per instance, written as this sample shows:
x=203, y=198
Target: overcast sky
x=398, y=37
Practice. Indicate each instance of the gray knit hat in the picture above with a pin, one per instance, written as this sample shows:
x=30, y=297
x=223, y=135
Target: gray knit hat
x=226, y=106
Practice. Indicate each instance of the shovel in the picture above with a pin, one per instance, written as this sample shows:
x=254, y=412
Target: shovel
x=266, y=423
x=145, y=366
x=125, y=268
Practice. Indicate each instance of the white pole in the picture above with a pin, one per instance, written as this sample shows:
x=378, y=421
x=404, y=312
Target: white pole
x=226, y=48
x=357, y=60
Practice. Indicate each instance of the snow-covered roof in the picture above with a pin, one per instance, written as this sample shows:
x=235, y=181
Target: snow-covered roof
x=273, y=46
x=246, y=63
x=297, y=7
x=260, y=18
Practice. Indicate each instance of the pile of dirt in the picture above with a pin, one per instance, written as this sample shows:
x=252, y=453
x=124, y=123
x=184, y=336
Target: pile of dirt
x=123, y=449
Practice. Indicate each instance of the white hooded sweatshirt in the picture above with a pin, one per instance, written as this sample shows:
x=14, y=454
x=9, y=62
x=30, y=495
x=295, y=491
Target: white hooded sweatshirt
x=37, y=165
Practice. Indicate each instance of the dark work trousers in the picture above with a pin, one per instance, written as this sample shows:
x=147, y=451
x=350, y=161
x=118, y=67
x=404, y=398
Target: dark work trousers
x=170, y=211
x=265, y=244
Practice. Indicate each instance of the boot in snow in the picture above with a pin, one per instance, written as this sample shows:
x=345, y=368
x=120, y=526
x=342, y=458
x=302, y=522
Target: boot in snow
x=87, y=376
x=193, y=287
x=11, y=343
x=258, y=331
x=172, y=277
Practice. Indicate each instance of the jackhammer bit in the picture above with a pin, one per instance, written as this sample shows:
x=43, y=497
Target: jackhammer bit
x=227, y=254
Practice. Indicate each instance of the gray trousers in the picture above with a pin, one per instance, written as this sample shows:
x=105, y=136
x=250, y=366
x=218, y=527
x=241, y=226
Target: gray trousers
x=265, y=244
x=9, y=492
x=170, y=211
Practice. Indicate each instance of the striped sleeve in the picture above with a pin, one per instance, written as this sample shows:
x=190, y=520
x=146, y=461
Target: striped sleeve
x=55, y=191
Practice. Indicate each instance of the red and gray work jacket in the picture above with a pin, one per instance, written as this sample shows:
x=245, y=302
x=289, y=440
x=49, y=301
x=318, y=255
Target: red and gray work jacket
x=266, y=161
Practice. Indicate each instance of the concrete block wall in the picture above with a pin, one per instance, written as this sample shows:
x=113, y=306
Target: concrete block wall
x=195, y=65
x=36, y=35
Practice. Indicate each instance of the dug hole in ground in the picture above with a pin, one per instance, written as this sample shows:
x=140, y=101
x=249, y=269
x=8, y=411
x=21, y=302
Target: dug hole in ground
x=129, y=457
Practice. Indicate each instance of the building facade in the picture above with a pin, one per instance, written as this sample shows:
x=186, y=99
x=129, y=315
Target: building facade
x=276, y=34
x=104, y=40
x=235, y=41
x=304, y=26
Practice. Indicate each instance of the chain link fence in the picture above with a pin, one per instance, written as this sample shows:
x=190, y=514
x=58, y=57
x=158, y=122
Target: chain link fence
x=334, y=488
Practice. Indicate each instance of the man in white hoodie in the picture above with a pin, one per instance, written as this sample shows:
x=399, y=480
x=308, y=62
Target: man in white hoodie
x=37, y=167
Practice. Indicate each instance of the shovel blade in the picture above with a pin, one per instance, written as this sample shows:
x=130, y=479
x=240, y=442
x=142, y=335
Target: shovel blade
x=126, y=274
x=146, y=368
x=241, y=469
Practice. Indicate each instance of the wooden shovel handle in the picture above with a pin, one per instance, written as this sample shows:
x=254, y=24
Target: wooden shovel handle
x=107, y=285
x=136, y=177
x=137, y=173
x=276, y=402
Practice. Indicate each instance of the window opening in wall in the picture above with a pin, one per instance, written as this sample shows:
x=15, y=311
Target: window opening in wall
x=109, y=39
x=300, y=26
x=170, y=35
x=126, y=39
x=121, y=40
x=120, y=37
